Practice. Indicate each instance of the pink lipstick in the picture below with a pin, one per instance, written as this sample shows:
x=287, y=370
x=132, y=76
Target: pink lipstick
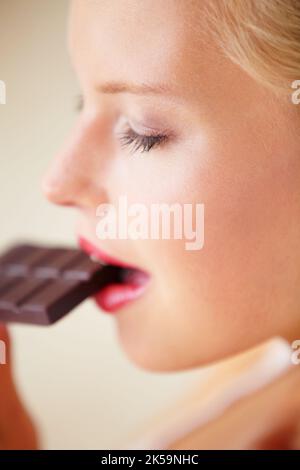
x=116, y=295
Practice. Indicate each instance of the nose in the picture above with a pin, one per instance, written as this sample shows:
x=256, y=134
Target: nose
x=77, y=174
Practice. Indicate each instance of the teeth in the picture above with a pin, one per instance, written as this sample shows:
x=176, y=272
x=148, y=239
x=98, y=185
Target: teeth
x=96, y=260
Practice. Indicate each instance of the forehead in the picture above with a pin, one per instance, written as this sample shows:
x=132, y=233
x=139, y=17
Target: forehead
x=136, y=40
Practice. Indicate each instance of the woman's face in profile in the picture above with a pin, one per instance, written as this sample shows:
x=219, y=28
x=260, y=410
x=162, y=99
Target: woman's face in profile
x=167, y=118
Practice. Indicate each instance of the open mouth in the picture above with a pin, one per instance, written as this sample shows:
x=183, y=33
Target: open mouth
x=129, y=283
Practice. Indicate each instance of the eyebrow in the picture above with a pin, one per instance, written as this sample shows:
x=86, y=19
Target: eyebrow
x=135, y=88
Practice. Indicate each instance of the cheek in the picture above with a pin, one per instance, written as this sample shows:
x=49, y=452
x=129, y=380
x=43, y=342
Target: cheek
x=248, y=269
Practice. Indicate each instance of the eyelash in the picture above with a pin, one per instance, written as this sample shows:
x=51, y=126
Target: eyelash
x=142, y=143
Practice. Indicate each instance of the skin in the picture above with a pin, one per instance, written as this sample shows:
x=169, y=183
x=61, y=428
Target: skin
x=231, y=145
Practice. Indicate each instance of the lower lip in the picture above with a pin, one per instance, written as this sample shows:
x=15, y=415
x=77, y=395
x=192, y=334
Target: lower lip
x=115, y=296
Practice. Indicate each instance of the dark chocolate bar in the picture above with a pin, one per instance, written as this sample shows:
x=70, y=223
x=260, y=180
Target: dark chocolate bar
x=40, y=285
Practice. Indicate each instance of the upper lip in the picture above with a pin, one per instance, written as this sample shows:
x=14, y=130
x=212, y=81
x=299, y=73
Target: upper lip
x=100, y=255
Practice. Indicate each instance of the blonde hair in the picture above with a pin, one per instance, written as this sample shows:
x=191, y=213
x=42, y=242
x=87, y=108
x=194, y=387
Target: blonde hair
x=262, y=36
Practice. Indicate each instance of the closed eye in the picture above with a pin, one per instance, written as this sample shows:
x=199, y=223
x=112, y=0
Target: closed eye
x=130, y=138
x=142, y=143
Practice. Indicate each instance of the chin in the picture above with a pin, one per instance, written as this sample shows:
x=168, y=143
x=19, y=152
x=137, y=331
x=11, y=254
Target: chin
x=148, y=363
x=151, y=357
x=142, y=355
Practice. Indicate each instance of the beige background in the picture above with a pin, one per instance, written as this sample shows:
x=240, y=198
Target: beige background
x=80, y=387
